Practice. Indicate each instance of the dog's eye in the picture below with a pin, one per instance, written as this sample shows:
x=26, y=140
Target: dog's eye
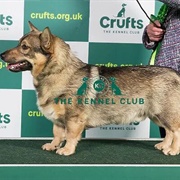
x=24, y=47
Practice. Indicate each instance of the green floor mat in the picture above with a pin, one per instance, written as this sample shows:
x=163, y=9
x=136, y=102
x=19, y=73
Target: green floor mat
x=87, y=152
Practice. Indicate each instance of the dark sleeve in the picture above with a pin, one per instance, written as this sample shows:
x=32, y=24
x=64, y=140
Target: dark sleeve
x=172, y=3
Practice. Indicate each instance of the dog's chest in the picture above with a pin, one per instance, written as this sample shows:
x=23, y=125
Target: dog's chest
x=52, y=111
x=49, y=112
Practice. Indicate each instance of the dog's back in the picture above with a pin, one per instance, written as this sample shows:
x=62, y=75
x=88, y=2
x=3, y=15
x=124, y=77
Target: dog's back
x=146, y=92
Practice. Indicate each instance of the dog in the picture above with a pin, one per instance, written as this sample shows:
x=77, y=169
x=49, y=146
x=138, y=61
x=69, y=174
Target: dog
x=121, y=13
x=115, y=88
x=146, y=91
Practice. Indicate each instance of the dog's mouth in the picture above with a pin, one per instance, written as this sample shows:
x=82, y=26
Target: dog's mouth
x=19, y=66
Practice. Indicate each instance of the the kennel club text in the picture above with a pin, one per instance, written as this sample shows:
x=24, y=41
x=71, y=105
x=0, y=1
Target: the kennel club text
x=101, y=101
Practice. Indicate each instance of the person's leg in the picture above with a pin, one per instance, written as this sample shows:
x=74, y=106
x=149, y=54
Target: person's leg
x=162, y=132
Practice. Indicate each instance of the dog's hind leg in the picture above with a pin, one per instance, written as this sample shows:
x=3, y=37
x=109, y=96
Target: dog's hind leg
x=59, y=137
x=166, y=143
x=174, y=149
x=73, y=135
x=171, y=143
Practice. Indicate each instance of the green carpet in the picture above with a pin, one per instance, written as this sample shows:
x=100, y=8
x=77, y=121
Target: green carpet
x=87, y=152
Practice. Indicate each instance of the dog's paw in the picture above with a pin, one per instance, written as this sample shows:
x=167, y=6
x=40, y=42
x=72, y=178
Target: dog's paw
x=160, y=146
x=49, y=147
x=65, y=151
x=171, y=151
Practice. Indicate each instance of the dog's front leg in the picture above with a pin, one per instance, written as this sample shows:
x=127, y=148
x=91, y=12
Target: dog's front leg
x=59, y=137
x=73, y=135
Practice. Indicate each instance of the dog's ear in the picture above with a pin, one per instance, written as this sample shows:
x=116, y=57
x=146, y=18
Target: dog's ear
x=46, y=39
x=32, y=27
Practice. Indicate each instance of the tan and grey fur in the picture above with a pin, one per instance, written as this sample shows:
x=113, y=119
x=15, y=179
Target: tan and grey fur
x=58, y=73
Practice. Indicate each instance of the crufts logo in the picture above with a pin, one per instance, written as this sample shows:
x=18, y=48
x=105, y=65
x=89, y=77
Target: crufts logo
x=5, y=20
x=121, y=21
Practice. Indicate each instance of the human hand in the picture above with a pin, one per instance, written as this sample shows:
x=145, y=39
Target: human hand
x=155, y=33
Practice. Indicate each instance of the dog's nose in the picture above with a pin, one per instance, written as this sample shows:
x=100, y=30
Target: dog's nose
x=2, y=55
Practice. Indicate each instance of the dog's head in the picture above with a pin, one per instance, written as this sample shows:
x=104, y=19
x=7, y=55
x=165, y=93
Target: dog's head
x=33, y=49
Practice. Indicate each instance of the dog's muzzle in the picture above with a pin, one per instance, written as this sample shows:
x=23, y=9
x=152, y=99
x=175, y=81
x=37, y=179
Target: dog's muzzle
x=17, y=66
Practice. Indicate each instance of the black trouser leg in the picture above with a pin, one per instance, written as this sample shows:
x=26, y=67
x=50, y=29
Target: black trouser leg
x=162, y=132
